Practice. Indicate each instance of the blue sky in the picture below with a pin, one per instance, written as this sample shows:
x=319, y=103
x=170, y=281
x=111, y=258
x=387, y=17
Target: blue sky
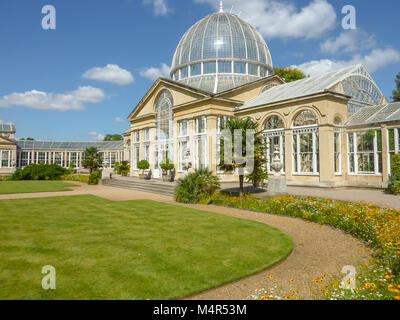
x=82, y=80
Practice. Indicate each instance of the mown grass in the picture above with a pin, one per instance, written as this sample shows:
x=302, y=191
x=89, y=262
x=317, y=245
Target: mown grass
x=127, y=250
x=13, y=187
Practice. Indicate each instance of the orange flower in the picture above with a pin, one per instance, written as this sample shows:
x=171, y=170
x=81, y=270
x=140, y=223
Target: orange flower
x=397, y=298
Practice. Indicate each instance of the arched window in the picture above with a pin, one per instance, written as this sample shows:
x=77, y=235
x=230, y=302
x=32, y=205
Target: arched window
x=164, y=115
x=337, y=121
x=164, y=144
x=306, y=143
x=305, y=118
x=274, y=123
x=274, y=137
x=267, y=87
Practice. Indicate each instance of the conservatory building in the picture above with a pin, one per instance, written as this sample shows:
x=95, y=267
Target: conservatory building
x=68, y=154
x=331, y=130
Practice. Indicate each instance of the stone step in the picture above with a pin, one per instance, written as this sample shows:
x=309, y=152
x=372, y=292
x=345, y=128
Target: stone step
x=141, y=185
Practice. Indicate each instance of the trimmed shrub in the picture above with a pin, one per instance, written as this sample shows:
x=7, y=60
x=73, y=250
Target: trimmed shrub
x=197, y=187
x=166, y=165
x=143, y=165
x=95, y=177
x=40, y=172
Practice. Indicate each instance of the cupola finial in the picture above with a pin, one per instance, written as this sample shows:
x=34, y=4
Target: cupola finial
x=221, y=6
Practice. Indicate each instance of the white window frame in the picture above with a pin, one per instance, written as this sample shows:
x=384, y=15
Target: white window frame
x=338, y=131
x=268, y=134
x=298, y=131
x=136, y=157
x=356, y=153
x=199, y=137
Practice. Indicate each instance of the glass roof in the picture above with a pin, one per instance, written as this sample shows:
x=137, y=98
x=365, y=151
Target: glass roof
x=69, y=145
x=7, y=127
x=221, y=43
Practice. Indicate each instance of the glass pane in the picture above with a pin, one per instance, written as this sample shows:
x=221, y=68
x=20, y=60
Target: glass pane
x=253, y=69
x=240, y=67
x=210, y=67
x=195, y=69
x=224, y=67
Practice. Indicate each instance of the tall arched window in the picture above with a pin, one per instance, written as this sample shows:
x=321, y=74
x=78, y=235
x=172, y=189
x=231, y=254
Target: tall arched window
x=274, y=133
x=305, y=143
x=164, y=115
x=164, y=145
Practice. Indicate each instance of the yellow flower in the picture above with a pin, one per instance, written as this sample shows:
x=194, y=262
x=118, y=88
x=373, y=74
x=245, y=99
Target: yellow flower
x=271, y=276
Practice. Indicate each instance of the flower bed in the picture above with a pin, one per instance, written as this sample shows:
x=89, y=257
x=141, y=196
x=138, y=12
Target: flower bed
x=378, y=227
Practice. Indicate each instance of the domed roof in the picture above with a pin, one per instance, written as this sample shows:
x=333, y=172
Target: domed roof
x=221, y=52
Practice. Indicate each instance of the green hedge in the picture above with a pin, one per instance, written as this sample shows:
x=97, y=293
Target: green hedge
x=396, y=164
x=40, y=172
x=394, y=182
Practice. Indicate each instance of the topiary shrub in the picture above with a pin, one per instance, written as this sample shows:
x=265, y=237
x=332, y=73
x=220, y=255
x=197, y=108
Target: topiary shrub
x=40, y=172
x=143, y=165
x=197, y=187
x=95, y=177
x=166, y=165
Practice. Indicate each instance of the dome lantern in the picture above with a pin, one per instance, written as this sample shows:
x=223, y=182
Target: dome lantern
x=221, y=52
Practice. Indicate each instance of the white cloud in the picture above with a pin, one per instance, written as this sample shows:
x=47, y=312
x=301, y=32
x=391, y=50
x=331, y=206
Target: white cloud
x=110, y=73
x=155, y=73
x=120, y=120
x=160, y=7
x=73, y=100
x=97, y=136
x=376, y=59
x=349, y=41
x=277, y=19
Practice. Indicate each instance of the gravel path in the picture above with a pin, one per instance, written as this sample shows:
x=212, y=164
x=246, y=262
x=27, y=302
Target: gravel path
x=318, y=250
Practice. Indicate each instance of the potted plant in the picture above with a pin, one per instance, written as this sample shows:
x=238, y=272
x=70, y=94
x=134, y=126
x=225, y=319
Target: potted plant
x=143, y=165
x=124, y=168
x=167, y=166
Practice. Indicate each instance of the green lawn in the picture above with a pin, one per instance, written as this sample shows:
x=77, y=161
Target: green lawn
x=12, y=187
x=127, y=250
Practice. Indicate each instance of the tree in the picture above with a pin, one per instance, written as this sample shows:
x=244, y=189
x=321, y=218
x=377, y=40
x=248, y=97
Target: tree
x=113, y=137
x=92, y=159
x=289, y=74
x=28, y=139
x=396, y=93
x=240, y=161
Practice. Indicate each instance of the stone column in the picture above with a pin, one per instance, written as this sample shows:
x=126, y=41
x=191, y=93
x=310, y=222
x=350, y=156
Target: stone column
x=289, y=154
x=211, y=143
x=327, y=154
x=385, y=155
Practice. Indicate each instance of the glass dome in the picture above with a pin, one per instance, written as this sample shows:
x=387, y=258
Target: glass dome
x=221, y=52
